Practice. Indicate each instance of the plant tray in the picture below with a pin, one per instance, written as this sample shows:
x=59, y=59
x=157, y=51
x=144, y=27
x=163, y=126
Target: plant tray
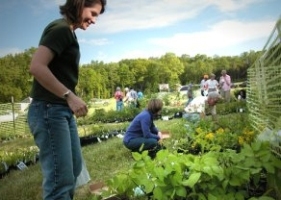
x=97, y=188
x=165, y=134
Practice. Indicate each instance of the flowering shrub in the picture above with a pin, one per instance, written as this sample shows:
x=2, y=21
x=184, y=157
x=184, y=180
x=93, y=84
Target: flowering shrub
x=208, y=137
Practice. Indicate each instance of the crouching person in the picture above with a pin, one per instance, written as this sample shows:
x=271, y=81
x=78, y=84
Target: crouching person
x=195, y=110
x=142, y=134
x=212, y=100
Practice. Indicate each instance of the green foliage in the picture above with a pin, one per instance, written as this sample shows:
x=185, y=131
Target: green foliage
x=10, y=159
x=99, y=80
x=205, y=136
x=126, y=114
x=212, y=175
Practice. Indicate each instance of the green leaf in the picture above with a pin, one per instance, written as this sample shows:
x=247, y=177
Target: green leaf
x=158, y=193
x=256, y=146
x=192, y=180
x=269, y=168
x=181, y=191
x=137, y=156
x=212, y=197
x=225, y=184
x=234, y=181
x=148, y=186
x=239, y=196
x=262, y=198
x=247, y=150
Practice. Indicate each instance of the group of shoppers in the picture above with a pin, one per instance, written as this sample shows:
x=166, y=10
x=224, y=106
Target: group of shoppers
x=214, y=90
x=223, y=86
x=131, y=97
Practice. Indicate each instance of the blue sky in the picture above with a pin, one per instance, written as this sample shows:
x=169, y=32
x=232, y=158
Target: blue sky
x=145, y=28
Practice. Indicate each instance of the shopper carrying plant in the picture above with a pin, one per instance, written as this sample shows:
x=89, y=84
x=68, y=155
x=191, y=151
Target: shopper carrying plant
x=142, y=134
x=55, y=66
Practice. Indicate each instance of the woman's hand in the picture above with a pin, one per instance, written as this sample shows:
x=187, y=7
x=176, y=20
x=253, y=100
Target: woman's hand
x=160, y=136
x=77, y=105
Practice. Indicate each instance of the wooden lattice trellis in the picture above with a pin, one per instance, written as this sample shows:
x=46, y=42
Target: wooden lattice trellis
x=264, y=85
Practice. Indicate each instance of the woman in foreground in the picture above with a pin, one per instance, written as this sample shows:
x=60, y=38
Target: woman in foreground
x=55, y=67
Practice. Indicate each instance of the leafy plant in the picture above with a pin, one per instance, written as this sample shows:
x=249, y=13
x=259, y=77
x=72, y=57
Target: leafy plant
x=213, y=175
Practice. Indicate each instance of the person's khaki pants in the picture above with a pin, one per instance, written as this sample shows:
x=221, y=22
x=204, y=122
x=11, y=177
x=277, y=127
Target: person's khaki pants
x=225, y=95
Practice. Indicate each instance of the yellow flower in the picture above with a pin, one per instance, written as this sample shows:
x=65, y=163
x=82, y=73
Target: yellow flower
x=198, y=130
x=209, y=136
x=220, y=131
x=240, y=140
x=248, y=132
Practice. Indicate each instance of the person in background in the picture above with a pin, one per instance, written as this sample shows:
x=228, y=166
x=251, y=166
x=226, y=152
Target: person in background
x=189, y=98
x=139, y=98
x=55, y=67
x=134, y=97
x=140, y=94
x=225, y=85
x=242, y=95
x=212, y=86
x=190, y=91
x=118, y=95
x=202, y=85
x=142, y=134
x=195, y=109
x=127, y=98
x=131, y=98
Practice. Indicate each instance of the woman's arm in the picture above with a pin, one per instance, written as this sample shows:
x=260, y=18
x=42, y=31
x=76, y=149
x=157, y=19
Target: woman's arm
x=41, y=72
x=146, y=128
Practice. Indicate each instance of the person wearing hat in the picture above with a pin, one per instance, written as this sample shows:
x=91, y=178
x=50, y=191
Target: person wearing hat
x=118, y=95
x=202, y=85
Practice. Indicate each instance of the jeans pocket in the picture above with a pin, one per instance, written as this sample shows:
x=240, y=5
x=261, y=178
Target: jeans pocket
x=32, y=116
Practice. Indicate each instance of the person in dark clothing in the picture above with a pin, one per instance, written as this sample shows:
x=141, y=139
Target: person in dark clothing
x=54, y=106
x=142, y=134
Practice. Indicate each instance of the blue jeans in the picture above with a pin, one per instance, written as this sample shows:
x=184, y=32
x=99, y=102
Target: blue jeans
x=55, y=133
x=135, y=144
x=192, y=117
x=119, y=105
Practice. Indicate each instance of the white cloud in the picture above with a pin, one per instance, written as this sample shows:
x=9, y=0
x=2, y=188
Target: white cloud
x=95, y=42
x=5, y=51
x=221, y=35
x=233, y=5
x=125, y=15
x=224, y=38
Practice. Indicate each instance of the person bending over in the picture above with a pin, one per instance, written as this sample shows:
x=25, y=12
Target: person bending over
x=142, y=134
x=51, y=114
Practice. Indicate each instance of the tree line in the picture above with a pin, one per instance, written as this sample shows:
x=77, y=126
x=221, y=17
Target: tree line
x=98, y=79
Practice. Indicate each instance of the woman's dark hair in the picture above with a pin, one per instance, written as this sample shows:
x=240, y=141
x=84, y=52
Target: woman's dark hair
x=154, y=105
x=72, y=9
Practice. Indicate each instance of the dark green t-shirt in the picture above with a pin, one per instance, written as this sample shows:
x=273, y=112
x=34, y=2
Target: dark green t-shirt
x=58, y=37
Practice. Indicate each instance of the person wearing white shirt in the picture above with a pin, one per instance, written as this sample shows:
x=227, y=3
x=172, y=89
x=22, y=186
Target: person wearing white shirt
x=213, y=95
x=204, y=92
x=195, y=109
